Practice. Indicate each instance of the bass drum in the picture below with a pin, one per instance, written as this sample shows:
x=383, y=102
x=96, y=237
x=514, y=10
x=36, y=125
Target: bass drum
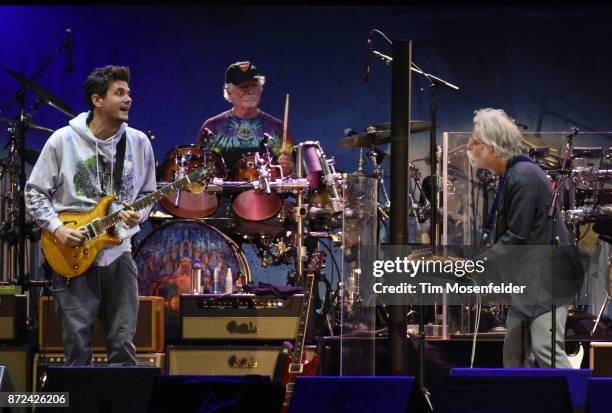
x=165, y=257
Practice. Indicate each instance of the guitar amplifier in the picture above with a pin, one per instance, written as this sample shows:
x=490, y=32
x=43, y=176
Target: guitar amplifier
x=149, y=336
x=600, y=358
x=226, y=360
x=18, y=363
x=241, y=317
x=98, y=359
x=12, y=317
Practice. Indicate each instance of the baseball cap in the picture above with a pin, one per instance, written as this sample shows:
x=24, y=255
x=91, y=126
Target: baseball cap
x=240, y=72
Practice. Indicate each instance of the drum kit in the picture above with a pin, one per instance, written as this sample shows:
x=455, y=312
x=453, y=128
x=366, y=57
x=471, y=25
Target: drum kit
x=250, y=202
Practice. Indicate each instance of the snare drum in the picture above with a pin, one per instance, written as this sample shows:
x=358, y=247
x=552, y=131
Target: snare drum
x=181, y=161
x=254, y=205
x=164, y=260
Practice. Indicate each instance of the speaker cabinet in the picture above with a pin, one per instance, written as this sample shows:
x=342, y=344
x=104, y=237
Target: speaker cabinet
x=12, y=317
x=354, y=394
x=600, y=358
x=18, y=363
x=98, y=360
x=103, y=389
x=226, y=360
x=149, y=337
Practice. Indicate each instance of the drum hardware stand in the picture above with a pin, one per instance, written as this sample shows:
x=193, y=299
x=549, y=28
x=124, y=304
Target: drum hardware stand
x=361, y=161
x=601, y=310
x=555, y=239
x=299, y=213
x=181, y=173
x=376, y=156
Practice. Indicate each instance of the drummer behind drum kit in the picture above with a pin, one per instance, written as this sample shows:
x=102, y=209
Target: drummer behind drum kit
x=253, y=202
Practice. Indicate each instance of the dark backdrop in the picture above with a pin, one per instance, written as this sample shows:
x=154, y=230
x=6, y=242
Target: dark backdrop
x=547, y=67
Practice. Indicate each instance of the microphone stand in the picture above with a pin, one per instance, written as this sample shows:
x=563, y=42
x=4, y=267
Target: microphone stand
x=434, y=82
x=555, y=240
x=398, y=221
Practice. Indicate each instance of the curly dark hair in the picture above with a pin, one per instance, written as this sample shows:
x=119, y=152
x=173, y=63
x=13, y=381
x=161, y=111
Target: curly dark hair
x=98, y=82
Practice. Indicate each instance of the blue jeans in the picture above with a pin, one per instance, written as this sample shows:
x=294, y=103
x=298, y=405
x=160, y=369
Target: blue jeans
x=109, y=292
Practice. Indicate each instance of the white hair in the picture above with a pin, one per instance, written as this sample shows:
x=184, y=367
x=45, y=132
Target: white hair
x=226, y=96
x=497, y=129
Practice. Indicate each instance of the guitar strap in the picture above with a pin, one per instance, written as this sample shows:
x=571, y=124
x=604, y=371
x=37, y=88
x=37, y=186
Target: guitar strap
x=118, y=171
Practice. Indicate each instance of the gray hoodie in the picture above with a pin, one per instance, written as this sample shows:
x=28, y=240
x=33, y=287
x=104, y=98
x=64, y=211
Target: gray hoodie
x=75, y=169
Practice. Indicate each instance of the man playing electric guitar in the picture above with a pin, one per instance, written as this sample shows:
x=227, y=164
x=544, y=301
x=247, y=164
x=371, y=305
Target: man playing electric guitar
x=96, y=155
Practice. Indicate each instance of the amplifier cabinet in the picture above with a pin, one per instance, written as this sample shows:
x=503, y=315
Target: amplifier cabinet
x=600, y=358
x=241, y=317
x=149, y=336
x=13, y=310
x=226, y=360
x=18, y=363
x=98, y=359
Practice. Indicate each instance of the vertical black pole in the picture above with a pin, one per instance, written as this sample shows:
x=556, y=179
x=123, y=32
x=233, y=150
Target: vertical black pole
x=433, y=151
x=401, y=82
x=21, y=274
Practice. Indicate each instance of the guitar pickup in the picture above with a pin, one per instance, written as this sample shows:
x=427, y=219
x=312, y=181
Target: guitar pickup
x=296, y=368
x=90, y=231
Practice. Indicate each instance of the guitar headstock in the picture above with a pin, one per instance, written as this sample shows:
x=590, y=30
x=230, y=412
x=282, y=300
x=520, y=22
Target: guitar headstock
x=201, y=174
x=315, y=262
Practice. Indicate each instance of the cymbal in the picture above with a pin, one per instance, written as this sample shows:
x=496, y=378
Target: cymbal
x=42, y=94
x=415, y=126
x=30, y=125
x=366, y=139
x=380, y=135
x=548, y=162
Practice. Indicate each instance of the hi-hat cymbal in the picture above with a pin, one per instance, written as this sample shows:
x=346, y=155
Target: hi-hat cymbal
x=30, y=125
x=415, y=126
x=42, y=94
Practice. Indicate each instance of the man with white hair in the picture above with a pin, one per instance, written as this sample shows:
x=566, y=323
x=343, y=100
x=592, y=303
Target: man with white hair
x=241, y=129
x=519, y=221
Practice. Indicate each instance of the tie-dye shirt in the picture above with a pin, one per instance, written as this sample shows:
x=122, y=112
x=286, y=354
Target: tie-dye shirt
x=234, y=136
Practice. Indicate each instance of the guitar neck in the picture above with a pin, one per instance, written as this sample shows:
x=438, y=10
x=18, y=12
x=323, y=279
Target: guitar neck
x=300, y=339
x=113, y=219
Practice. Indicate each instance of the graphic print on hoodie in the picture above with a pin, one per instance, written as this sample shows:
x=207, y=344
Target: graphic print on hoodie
x=93, y=178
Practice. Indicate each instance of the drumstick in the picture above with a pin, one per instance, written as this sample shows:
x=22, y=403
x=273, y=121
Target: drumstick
x=285, y=121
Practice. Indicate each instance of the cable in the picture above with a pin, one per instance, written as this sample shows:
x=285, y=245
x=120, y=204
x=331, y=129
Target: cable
x=476, y=325
x=333, y=261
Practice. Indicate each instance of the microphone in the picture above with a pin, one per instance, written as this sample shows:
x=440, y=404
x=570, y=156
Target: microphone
x=69, y=66
x=368, y=60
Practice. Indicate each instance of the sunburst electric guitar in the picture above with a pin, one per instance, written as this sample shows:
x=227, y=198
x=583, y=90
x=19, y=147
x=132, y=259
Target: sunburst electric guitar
x=297, y=364
x=98, y=224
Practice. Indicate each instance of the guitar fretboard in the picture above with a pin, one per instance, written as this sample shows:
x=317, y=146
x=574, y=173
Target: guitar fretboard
x=114, y=218
x=300, y=339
